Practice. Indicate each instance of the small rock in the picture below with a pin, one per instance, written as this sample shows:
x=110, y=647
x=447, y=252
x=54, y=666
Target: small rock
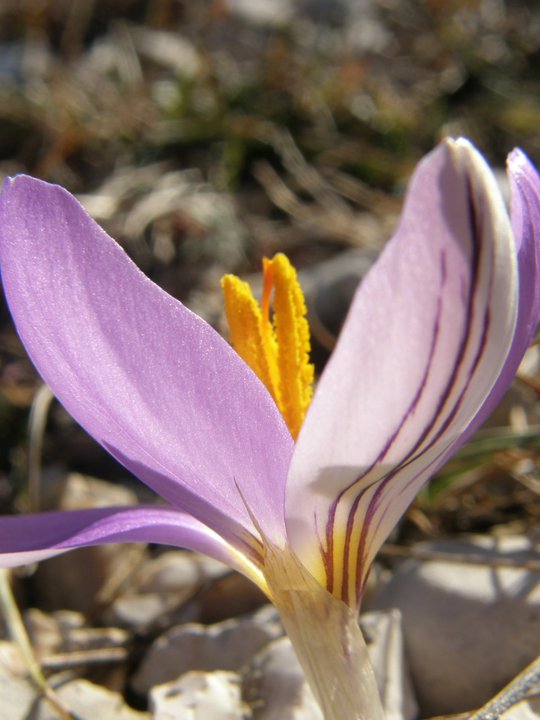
x=62, y=641
x=225, y=646
x=159, y=590
x=468, y=628
x=16, y=692
x=171, y=50
x=68, y=620
x=177, y=571
x=95, y=639
x=199, y=696
x=88, y=702
x=261, y=12
x=75, y=491
x=274, y=683
x=384, y=637
x=43, y=630
x=141, y=613
x=66, y=631
x=525, y=710
x=275, y=686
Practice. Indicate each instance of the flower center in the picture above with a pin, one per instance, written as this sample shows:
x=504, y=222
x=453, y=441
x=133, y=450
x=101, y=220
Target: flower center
x=275, y=345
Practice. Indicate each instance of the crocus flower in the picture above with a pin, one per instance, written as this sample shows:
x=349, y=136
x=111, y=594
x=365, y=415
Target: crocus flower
x=433, y=339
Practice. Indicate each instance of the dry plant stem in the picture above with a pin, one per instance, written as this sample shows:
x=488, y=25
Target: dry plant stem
x=514, y=692
x=18, y=634
x=84, y=658
x=327, y=640
x=36, y=431
x=427, y=555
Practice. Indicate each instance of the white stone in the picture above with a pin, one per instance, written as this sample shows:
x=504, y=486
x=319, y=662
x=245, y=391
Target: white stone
x=525, y=710
x=17, y=695
x=87, y=702
x=20, y=699
x=271, y=13
x=469, y=629
x=169, y=49
x=275, y=685
x=199, y=696
x=384, y=637
x=224, y=646
x=177, y=571
x=160, y=589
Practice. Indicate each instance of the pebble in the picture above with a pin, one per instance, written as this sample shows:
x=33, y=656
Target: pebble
x=525, y=710
x=199, y=696
x=65, y=632
x=384, y=637
x=261, y=12
x=17, y=693
x=46, y=632
x=273, y=683
x=224, y=646
x=469, y=629
x=87, y=701
x=159, y=590
x=20, y=699
x=262, y=678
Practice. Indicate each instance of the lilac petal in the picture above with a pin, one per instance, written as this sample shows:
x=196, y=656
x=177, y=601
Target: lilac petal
x=426, y=338
x=525, y=215
x=151, y=381
x=30, y=538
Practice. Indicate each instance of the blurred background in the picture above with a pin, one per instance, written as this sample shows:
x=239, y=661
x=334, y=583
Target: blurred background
x=205, y=135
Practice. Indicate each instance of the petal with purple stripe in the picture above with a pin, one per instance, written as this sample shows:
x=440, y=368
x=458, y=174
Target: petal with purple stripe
x=424, y=343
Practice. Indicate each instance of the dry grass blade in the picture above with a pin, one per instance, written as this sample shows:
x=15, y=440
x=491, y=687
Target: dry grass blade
x=427, y=555
x=519, y=689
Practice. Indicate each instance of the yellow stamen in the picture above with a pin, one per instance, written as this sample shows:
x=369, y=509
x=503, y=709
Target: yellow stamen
x=245, y=326
x=276, y=348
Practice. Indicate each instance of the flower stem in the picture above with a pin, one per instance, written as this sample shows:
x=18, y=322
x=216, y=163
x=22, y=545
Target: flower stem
x=327, y=640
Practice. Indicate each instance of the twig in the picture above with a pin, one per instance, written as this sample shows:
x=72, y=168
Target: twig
x=335, y=223
x=426, y=554
x=78, y=658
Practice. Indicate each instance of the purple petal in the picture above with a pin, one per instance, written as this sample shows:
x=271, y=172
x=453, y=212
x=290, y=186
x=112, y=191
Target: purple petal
x=525, y=215
x=422, y=349
x=152, y=382
x=30, y=538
